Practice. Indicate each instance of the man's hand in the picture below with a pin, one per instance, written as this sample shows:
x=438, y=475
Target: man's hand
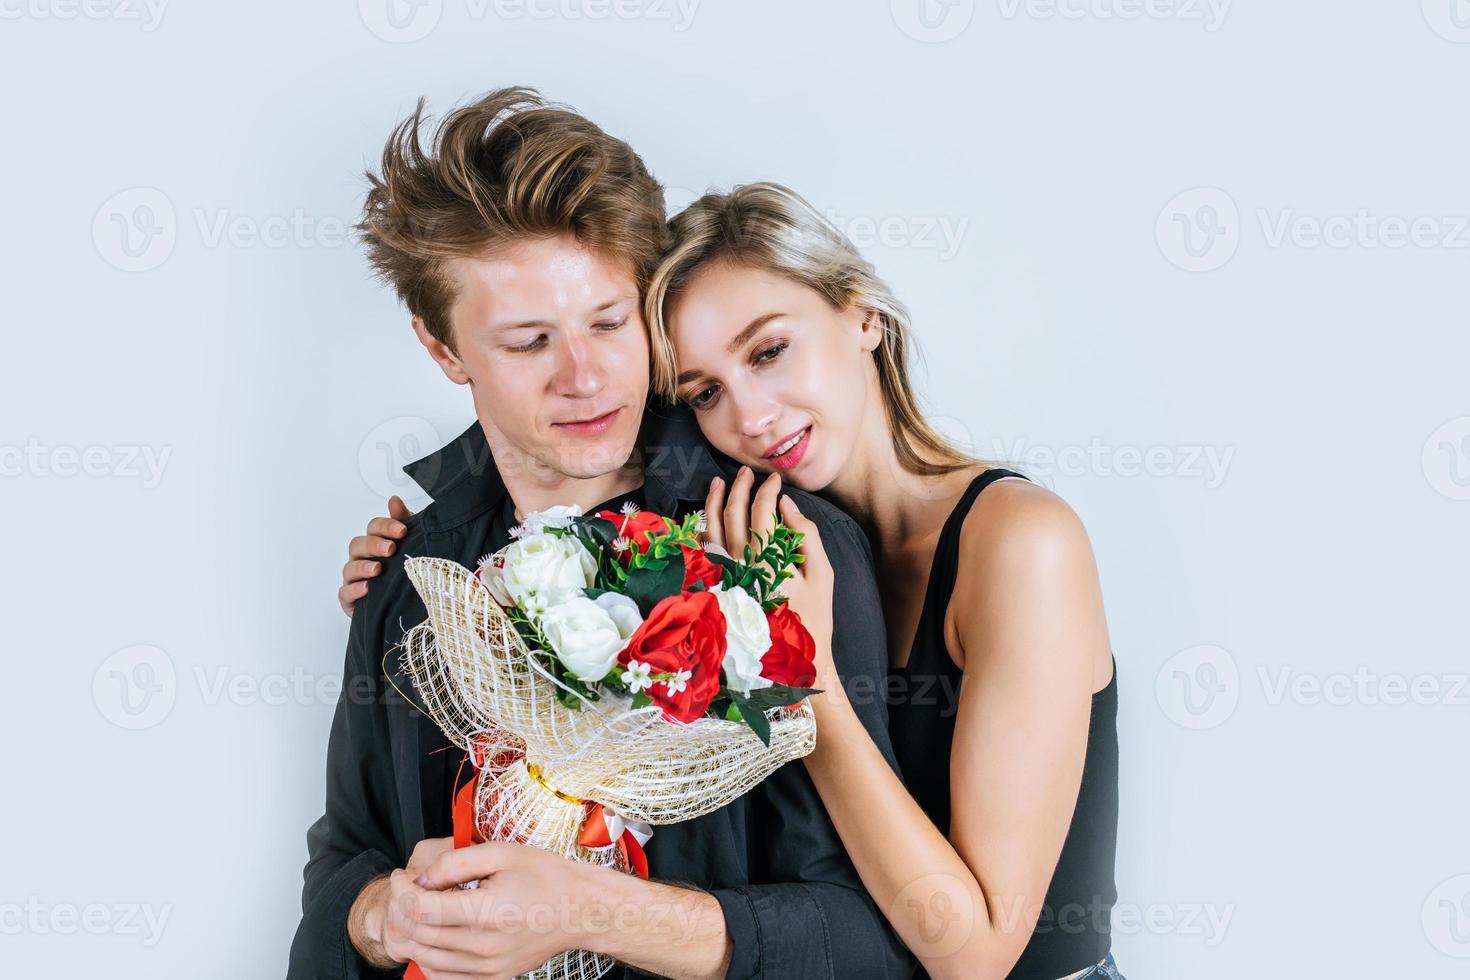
x=370, y=911
x=528, y=905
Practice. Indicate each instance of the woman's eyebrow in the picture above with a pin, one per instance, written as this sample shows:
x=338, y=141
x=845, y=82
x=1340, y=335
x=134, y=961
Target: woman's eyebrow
x=741, y=339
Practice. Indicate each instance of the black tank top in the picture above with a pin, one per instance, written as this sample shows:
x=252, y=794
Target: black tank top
x=1074, y=931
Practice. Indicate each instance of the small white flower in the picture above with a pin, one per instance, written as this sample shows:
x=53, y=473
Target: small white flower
x=678, y=681
x=703, y=521
x=558, y=517
x=630, y=509
x=636, y=676
x=621, y=544
x=747, y=638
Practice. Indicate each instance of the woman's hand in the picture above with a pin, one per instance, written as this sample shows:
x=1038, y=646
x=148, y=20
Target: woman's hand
x=364, y=550
x=733, y=519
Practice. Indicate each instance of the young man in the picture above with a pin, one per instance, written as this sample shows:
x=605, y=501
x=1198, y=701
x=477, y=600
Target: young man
x=521, y=239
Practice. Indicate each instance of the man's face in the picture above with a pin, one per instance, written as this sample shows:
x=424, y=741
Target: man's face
x=550, y=337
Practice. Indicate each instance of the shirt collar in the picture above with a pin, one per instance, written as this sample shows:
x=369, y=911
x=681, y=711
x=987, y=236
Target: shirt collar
x=465, y=483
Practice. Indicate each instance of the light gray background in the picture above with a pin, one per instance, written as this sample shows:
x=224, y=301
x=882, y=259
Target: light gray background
x=1111, y=221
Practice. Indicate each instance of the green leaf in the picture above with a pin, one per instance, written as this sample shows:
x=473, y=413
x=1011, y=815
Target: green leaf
x=641, y=700
x=755, y=718
x=649, y=586
x=780, y=696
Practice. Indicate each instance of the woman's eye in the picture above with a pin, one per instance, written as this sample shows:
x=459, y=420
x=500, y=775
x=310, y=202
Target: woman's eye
x=703, y=398
x=610, y=326
x=771, y=353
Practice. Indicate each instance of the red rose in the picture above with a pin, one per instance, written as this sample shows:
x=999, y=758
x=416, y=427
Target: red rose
x=792, y=659
x=636, y=528
x=682, y=633
x=698, y=568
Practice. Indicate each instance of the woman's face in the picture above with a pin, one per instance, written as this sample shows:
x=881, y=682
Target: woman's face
x=777, y=378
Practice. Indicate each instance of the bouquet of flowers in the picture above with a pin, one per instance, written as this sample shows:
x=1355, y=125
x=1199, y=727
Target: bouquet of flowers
x=608, y=673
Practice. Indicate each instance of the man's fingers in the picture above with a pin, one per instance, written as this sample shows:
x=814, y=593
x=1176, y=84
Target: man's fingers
x=454, y=867
x=714, y=514
x=427, y=852
x=397, y=509
x=763, y=510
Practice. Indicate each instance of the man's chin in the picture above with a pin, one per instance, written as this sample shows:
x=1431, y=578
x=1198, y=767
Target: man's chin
x=586, y=459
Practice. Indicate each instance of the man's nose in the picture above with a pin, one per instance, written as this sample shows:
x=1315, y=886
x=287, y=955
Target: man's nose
x=579, y=374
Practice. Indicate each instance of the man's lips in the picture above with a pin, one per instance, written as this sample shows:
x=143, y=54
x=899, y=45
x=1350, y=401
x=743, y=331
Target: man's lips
x=591, y=426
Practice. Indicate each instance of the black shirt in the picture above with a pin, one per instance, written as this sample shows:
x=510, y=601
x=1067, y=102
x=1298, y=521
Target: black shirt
x=1073, y=932
x=794, y=905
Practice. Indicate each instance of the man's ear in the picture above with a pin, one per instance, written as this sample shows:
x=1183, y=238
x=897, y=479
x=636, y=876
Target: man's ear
x=871, y=327
x=447, y=360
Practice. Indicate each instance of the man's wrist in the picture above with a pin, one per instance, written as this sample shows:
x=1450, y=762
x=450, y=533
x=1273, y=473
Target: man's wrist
x=365, y=923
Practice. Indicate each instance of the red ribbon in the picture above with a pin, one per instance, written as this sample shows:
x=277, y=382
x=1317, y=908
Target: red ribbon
x=594, y=834
x=465, y=834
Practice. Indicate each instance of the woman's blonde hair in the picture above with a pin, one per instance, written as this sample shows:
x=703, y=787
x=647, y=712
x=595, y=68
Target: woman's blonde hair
x=767, y=226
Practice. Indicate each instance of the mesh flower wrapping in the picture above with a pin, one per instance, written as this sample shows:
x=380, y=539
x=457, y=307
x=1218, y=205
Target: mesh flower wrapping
x=478, y=681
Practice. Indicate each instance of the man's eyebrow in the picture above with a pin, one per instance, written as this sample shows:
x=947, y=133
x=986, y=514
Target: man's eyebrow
x=542, y=324
x=741, y=339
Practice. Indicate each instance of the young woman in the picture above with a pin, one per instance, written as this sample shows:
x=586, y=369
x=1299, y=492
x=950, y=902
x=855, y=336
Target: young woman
x=994, y=856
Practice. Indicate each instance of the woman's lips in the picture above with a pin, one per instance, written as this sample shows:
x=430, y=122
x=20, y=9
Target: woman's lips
x=592, y=426
x=793, y=456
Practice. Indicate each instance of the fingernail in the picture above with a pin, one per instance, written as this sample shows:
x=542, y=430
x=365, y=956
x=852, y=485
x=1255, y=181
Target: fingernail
x=386, y=547
x=373, y=566
x=422, y=881
x=399, y=528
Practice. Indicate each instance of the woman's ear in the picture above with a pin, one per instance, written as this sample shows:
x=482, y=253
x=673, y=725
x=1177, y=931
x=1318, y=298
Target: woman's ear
x=447, y=360
x=872, y=328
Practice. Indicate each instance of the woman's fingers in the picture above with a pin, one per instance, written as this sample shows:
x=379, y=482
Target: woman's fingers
x=737, y=513
x=369, y=546
x=387, y=528
x=348, y=595
x=811, y=550
x=714, y=514
x=763, y=510
x=397, y=509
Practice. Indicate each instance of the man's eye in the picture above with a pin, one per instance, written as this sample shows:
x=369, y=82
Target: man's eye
x=528, y=347
x=771, y=353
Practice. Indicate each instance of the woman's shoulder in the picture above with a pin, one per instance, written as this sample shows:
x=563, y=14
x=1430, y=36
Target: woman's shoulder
x=1019, y=527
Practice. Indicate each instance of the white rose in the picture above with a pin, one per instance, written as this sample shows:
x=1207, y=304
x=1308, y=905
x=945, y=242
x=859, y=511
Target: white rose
x=584, y=637
x=492, y=577
x=624, y=612
x=558, y=517
x=547, y=567
x=747, y=638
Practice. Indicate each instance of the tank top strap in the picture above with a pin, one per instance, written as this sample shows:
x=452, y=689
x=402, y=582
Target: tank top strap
x=929, y=648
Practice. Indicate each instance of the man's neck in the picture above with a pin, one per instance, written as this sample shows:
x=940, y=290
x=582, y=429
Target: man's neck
x=534, y=486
